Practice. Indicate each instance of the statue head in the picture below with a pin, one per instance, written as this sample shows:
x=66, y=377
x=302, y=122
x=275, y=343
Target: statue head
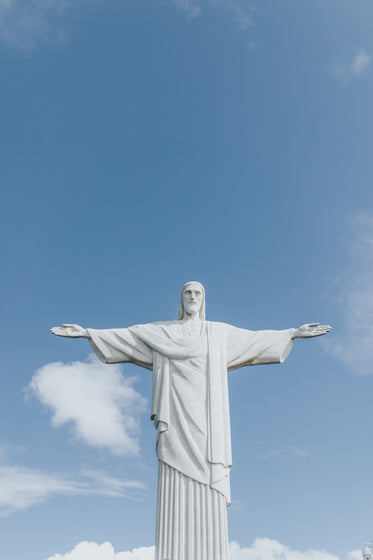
x=193, y=296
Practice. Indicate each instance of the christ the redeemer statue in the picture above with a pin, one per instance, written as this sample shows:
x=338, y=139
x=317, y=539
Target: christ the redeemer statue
x=190, y=358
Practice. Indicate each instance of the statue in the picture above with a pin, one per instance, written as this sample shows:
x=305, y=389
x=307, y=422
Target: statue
x=190, y=358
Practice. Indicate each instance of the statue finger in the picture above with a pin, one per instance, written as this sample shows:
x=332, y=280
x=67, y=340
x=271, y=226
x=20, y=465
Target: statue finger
x=58, y=331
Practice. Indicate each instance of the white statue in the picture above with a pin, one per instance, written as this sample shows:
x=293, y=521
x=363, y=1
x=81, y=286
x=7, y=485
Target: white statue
x=190, y=358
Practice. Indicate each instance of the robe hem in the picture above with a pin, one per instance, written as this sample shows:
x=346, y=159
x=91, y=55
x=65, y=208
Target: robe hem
x=195, y=480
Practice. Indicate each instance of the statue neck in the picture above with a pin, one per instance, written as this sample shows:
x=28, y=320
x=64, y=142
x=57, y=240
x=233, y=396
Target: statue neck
x=194, y=317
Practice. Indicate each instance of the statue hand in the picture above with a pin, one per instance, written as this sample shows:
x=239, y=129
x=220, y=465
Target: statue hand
x=72, y=331
x=311, y=329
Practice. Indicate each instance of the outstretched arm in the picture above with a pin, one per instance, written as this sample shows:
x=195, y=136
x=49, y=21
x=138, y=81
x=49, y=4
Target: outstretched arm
x=311, y=329
x=249, y=348
x=112, y=345
x=71, y=331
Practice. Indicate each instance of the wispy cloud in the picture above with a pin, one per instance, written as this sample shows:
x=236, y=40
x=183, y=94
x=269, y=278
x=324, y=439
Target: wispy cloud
x=25, y=24
x=242, y=11
x=356, y=66
x=22, y=487
x=243, y=14
x=261, y=549
x=7, y=450
x=360, y=62
x=190, y=7
x=107, y=485
x=354, y=298
x=100, y=405
x=289, y=450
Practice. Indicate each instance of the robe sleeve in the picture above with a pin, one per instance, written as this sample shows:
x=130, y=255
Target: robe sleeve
x=249, y=348
x=113, y=346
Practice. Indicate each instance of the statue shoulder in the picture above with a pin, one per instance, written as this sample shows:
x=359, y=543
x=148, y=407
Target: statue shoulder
x=219, y=327
x=219, y=324
x=166, y=323
x=159, y=328
x=158, y=324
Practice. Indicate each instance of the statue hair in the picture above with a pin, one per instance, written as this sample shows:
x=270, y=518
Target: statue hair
x=202, y=309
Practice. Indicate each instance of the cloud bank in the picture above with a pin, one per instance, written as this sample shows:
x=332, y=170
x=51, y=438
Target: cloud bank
x=261, y=549
x=93, y=551
x=354, y=299
x=22, y=487
x=269, y=549
x=100, y=405
x=355, y=554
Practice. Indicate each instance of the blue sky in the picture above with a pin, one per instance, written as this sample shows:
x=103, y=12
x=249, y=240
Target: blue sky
x=148, y=143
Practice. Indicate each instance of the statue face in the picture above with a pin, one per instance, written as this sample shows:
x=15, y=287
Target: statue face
x=192, y=299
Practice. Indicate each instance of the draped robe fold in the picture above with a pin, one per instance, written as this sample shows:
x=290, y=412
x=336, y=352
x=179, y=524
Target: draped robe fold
x=190, y=409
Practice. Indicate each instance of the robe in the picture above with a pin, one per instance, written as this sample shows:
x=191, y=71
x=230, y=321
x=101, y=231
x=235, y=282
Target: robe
x=190, y=410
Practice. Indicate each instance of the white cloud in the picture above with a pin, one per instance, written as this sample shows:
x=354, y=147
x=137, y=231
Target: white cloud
x=354, y=299
x=262, y=549
x=105, y=551
x=355, y=67
x=94, y=398
x=269, y=549
x=355, y=554
x=22, y=487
